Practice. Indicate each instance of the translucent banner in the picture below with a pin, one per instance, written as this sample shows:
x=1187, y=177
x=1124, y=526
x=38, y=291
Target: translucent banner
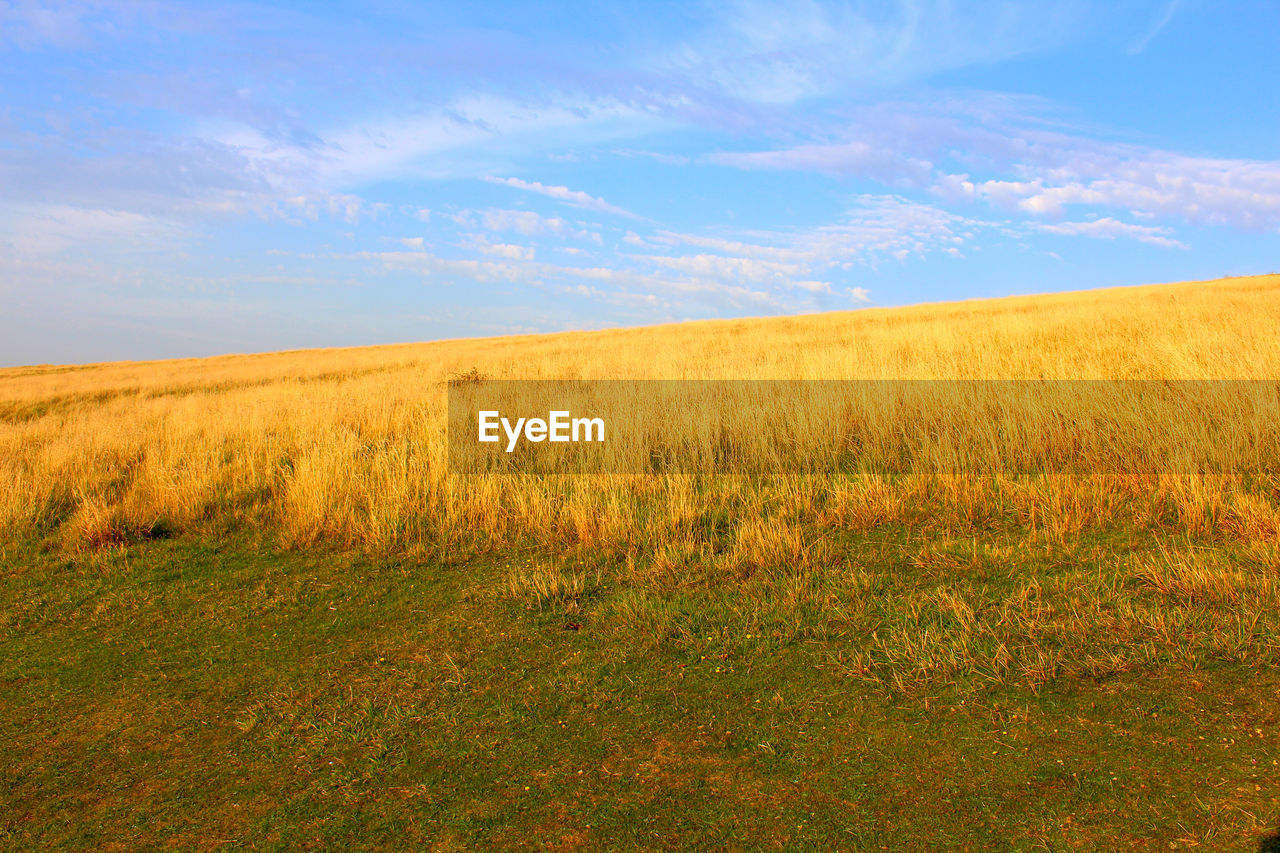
x=550, y=427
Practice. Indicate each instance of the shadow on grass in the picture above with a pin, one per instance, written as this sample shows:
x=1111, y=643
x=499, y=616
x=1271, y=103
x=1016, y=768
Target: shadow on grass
x=1270, y=843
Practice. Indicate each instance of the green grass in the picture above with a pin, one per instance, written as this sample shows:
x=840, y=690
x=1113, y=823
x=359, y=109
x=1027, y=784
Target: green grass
x=199, y=695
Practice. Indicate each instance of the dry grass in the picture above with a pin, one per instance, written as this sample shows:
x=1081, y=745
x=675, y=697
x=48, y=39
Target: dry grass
x=347, y=447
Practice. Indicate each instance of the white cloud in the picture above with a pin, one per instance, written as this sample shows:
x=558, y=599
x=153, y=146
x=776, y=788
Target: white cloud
x=874, y=227
x=59, y=229
x=509, y=251
x=1110, y=229
x=729, y=269
x=783, y=254
x=771, y=271
x=1157, y=25
x=573, y=197
x=631, y=282
x=1144, y=182
x=432, y=264
x=846, y=158
x=350, y=208
x=580, y=290
x=1036, y=171
x=467, y=136
x=525, y=222
x=783, y=51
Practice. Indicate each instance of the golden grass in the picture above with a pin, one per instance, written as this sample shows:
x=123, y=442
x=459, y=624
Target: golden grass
x=507, y=625
x=347, y=446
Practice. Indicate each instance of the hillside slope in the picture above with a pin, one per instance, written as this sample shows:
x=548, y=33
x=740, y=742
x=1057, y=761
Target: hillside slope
x=348, y=444
x=244, y=603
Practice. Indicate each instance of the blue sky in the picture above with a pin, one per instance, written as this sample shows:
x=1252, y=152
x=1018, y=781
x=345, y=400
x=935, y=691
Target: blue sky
x=191, y=179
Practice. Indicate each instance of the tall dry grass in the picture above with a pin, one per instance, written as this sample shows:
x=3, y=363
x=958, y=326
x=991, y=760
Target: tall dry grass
x=347, y=446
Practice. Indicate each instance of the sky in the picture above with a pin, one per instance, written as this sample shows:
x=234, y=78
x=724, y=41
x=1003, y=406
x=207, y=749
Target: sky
x=186, y=179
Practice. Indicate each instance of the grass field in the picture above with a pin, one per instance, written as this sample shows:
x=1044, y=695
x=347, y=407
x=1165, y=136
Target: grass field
x=245, y=605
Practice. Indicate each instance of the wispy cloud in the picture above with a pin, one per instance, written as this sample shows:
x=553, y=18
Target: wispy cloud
x=874, y=229
x=1239, y=193
x=1157, y=25
x=566, y=195
x=631, y=283
x=510, y=251
x=855, y=157
x=1039, y=172
x=761, y=156
x=1109, y=229
x=524, y=222
x=823, y=266
x=63, y=230
x=774, y=52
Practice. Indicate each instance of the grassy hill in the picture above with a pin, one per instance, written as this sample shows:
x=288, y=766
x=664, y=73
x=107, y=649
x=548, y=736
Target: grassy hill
x=244, y=604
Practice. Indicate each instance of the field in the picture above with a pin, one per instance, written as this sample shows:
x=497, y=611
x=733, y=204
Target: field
x=244, y=604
